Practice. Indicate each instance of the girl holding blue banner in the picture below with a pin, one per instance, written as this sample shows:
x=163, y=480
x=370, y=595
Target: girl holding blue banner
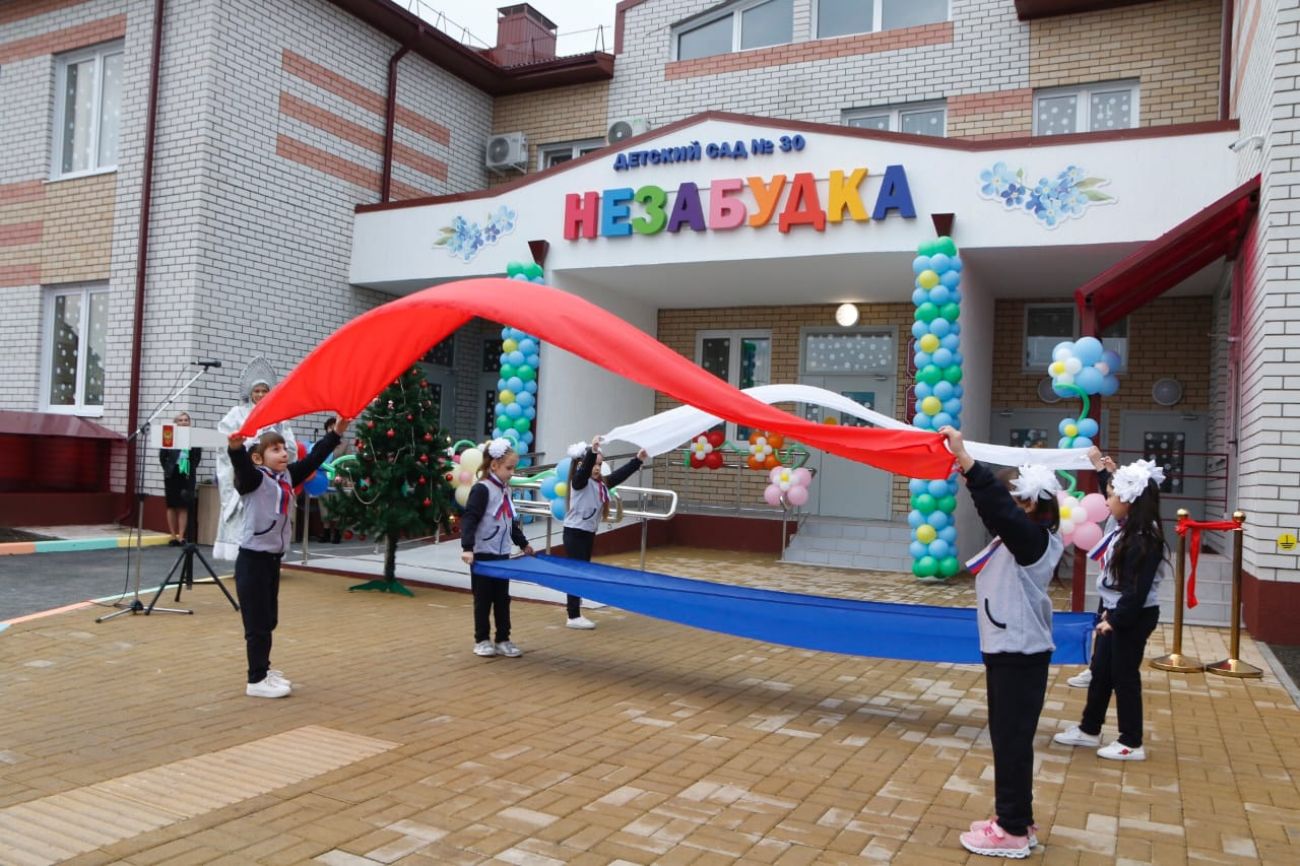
x=1015, y=627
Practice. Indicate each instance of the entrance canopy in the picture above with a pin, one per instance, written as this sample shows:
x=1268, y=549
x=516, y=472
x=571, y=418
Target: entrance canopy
x=1213, y=233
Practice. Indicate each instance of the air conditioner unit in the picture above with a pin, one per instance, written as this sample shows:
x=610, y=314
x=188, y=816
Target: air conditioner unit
x=621, y=130
x=507, y=151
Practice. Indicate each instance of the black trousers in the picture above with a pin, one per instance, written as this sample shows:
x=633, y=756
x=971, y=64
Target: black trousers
x=491, y=596
x=257, y=584
x=577, y=545
x=1017, y=685
x=1117, y=667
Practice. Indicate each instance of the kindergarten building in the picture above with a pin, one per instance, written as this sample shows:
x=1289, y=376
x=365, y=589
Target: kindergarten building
x=747, y=181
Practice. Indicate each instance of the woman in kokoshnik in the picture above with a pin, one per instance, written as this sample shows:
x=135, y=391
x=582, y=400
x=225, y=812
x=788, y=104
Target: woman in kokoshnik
x=254, y=383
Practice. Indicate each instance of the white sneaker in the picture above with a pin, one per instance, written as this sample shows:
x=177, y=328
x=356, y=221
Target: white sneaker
x=278, y=677
x=267, y=688
x=1080, y=680
x=1117, y=751
x=485, y=648
x=580, y=622
x=509, y=650
x=1075, y=737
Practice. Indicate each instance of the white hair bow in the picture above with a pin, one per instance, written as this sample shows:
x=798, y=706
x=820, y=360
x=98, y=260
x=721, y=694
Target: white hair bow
x=498, y=448
x=577, y=450
x=1035, y=482
x=1129, y=481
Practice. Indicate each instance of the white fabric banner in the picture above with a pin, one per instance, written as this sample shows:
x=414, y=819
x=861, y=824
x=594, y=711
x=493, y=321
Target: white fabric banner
x=668, y=430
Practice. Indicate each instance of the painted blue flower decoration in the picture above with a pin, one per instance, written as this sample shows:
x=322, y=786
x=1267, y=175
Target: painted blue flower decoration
x=463, y=239
x=1051, y=201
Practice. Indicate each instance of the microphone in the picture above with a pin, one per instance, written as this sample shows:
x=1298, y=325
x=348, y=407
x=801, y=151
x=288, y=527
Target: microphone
x=207, y=362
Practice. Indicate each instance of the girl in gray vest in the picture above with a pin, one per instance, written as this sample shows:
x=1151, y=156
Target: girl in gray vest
x=1133, y=564
x=487, y=528
x=586, y=505
x=1015, y=627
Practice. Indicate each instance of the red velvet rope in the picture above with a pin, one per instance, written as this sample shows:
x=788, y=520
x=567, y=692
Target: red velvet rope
x=1185, y=526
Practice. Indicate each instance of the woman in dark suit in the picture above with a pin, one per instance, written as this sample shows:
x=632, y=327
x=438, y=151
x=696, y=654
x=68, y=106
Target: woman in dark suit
x=180, y=470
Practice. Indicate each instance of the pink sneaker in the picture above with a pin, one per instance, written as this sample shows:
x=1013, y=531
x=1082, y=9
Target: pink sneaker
x=991, y=841
x=976, y=826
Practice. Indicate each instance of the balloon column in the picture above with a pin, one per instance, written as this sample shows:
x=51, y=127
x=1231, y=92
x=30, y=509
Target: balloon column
x=516, y=408
x=936, y=331
x=1082, y=369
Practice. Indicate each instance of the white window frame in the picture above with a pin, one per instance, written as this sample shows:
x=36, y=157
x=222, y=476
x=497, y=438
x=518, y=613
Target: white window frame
x=733, y=358
x=61, y=63
x=574, y=149
x=877, y=19
x=1119, y=345
x=734, y=12
x=84, y=291
x=1083, y=103
x=895, y=114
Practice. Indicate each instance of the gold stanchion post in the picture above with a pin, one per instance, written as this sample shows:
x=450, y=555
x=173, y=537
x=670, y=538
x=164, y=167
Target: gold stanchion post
x=1176, y=661
x=1233, y=666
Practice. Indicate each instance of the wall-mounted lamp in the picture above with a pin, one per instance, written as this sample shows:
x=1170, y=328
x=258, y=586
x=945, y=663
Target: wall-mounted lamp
x=846, y=315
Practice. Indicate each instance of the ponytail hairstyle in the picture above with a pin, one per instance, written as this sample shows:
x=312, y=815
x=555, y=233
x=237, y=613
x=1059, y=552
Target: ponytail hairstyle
x=493, y=451
x=1142, y=531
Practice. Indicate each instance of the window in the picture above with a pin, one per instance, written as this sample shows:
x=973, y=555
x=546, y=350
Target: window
x=549, y=155
x=75, y=340
x=753, y=24
x=742, y=358
x=844, y=17
x=920, y=118
x=1046, y=325
x=87, y=110
x=1090, y=108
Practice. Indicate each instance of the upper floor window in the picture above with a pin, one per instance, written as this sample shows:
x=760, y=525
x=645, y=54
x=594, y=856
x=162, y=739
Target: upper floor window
x=750, y=24
x=918, y=118
x=76, y=336
x=87, y=110
x=843, y=17
x=1086, y=108
x=549, y=155
x=1046, y=325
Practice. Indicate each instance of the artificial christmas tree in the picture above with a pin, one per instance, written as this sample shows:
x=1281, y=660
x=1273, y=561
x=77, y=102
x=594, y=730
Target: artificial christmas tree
x=398, y=485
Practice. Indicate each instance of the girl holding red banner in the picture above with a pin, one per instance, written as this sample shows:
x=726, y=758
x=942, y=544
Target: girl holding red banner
x=1015, y=627
x=1134, y=561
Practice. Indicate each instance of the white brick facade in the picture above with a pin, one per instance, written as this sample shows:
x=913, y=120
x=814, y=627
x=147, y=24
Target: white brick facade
x=989, y=51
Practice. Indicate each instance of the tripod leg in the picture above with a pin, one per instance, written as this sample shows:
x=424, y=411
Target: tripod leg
x=215, y=579
x=152, y=606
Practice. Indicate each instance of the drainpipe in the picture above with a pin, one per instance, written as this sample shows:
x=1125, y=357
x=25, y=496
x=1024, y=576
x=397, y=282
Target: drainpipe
x=390, y=116
x=142, y=247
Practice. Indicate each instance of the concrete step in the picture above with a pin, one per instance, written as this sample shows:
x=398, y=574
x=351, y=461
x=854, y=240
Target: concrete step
x=869, y=545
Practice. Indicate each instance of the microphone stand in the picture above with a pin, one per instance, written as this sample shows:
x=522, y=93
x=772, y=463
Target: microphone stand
x=137, y=440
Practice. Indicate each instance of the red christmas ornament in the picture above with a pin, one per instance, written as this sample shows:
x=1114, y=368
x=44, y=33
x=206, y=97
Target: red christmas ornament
x=427, y=502
x=391, y=432
x=370, y=425
x=410, y=417
x=422, y=478
x=424, y=458
x=428, y=437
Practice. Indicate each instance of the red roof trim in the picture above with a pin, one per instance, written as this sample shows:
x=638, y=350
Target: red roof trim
x=1141, y=277
x=930, y=141
x=16, y=423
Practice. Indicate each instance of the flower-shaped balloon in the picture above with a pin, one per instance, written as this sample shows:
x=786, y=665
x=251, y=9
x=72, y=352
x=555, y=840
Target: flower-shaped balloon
x=762, y=449
x=790, y=485
x=706, y=450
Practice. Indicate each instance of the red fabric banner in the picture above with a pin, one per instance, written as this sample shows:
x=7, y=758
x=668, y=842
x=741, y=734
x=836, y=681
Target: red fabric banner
x=359, y=360
x=1192, y=529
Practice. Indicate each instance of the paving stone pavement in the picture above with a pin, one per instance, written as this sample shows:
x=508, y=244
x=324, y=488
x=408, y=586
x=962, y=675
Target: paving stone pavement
x=642, y=742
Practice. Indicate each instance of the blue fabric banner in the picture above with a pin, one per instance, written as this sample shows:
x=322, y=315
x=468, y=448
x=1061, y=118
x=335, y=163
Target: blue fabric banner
x=911, y=632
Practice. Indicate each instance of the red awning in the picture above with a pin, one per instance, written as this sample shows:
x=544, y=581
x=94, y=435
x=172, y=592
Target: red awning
x=1157, y=267
x=52, y=424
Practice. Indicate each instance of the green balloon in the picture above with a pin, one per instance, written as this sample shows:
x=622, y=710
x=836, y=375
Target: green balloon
x=949, y=566
x=926, y=312
x=532, y=270
x=945, y=245
x=507, y=370
x=503, y=422
x=951, y=312
x=925, y=503
x=514, y=269
x=947, y=504
x=525, y=372
x=926, y=566
x=931, y=374
x=521, y=424
x=952, y=374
